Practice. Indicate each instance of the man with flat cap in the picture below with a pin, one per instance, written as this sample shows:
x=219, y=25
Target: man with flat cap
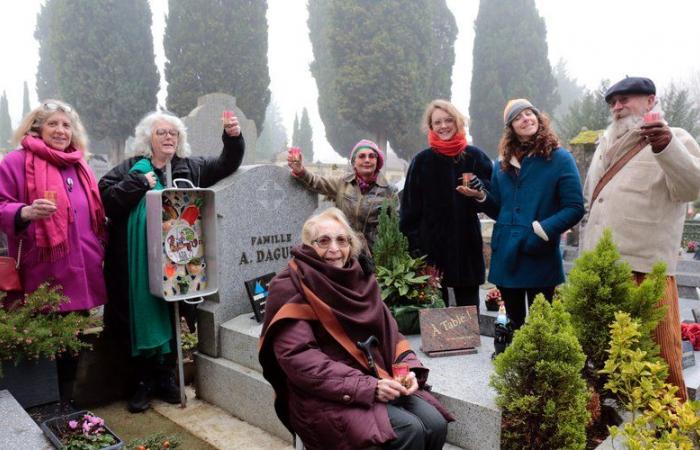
x=641, y=176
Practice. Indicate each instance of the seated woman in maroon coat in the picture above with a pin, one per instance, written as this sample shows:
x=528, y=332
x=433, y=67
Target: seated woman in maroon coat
x=318, y=308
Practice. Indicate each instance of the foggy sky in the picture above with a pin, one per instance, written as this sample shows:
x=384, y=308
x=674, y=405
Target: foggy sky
x=598, y=39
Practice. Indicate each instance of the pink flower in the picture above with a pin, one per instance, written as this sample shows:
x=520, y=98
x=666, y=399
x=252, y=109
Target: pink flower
x=72, y=424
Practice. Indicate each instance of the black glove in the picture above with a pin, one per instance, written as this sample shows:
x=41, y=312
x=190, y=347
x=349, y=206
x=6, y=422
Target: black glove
x=476, y=184
x=366, y=262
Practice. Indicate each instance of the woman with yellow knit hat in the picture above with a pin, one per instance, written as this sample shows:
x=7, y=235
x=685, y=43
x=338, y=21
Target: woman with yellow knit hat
x=535, y=195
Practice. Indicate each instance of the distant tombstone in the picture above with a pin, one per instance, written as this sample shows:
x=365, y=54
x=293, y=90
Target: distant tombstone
x=99, y=165
x=204, y=125
x=260, y=211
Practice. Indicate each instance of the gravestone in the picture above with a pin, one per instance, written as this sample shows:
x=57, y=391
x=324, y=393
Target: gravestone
x=100, y=165
x=204, y=126
x=260, y=212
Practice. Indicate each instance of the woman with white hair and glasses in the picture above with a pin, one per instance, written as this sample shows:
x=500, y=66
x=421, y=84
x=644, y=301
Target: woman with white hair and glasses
x=138, y=322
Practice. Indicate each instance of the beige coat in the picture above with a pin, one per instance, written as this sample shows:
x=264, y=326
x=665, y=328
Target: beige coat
x=644, y=204
x=362, y=211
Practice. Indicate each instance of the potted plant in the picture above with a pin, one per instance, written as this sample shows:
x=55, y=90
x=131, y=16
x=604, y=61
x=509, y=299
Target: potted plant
x=692, y=246
x=493, y=299
x=80, y=431
x=189, y=345
x=407, y=283
x=32, y=335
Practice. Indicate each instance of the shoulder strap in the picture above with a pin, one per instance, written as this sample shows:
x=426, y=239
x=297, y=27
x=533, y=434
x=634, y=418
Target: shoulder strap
x=612, y=171
x=19, y=254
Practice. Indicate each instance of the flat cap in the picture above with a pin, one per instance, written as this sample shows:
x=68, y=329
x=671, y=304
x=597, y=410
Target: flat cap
x=631, y=85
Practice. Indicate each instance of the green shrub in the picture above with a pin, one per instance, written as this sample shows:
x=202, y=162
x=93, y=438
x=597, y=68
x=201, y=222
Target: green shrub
x=390, y=244
x=659, y=419
x=539, y=385
x=599, y=285
x=31, y=328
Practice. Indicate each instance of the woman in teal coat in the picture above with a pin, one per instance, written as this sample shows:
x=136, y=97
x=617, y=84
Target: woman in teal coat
x=535, y=196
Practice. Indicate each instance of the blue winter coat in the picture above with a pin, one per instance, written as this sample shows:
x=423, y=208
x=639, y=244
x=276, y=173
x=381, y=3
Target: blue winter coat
x=439, y=221
x=547, y=190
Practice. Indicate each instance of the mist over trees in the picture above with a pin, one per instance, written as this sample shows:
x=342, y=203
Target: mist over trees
x=5, y=124
x=273, y=138
x=679, y=109
x=46, y=83
x=377, y=64
x=26, y=107
x=510, y=61
x=590, y=112
x=101, y=52
x=302, y=136
x=568, y=88
x=217, y=47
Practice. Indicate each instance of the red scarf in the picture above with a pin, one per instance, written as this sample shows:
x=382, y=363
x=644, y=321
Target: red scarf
x=453, y=147
x=41, y=166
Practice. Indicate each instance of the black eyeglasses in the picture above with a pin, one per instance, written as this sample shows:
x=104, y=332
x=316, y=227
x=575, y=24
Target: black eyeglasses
x=160, y=132
x=51, y=106
x=325, y=241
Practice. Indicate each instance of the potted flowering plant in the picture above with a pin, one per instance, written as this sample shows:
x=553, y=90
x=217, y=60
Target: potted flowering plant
x=32, y=334
x=493, y=299
x=692, y=246
x=80, y=431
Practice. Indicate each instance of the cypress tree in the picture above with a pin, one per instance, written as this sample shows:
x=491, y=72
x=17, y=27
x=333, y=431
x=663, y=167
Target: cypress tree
x=599, y=285
x=46, y=82
x=217, y=46
x=26, y=107
x=378, y=64
x=341, y=134
x=391, y=245
x=680, y=110
x=113, y=90
x=539, y=385
x=273, y=138
x=5, y=124
x=589, y=111
x=305, y=137
x=510, y=61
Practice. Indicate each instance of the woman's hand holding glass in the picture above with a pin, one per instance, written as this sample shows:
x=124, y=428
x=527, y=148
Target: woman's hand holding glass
x=40, y=208
x=388, y=390
x=471, y=186
x=294, y=160
x=231, y=125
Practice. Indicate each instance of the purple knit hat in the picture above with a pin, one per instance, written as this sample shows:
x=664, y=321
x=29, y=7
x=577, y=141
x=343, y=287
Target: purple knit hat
x=367, y=144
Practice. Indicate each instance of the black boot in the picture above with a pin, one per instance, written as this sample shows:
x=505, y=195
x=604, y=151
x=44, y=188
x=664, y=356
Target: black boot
x=167, y=387
x=141, y=400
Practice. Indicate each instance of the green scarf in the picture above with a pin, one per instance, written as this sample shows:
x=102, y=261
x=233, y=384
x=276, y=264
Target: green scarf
x=150, y=317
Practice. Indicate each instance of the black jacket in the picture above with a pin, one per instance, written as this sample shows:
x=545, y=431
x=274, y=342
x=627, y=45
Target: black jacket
x=121, y=191
x=439, y=221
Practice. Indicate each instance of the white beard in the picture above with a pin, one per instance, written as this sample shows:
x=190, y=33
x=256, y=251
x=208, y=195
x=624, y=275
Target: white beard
x=619, y=127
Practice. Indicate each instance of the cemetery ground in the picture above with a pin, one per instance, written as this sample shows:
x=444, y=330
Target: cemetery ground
x=461, y=381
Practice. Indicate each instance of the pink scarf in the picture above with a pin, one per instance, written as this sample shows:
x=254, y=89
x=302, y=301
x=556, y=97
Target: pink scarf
x=41, y=166
x=453, y=147
x=366, y=184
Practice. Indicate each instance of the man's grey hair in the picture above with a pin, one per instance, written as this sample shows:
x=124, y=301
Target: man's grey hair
x=144, y=132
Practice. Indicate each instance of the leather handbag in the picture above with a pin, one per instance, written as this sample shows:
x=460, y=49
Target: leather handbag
x=9, y=272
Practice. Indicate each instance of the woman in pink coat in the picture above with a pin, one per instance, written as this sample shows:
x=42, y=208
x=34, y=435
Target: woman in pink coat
x=49, y=202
